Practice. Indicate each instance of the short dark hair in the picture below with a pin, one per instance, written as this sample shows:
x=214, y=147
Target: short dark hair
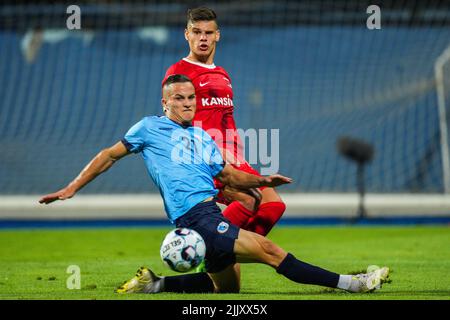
x=176, y=78
x=201, y=14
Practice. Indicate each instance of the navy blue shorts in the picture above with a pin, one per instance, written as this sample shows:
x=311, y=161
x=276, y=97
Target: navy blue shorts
x=218, y=232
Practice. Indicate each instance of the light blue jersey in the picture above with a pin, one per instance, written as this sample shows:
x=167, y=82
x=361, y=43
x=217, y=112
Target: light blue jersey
x=181, y=161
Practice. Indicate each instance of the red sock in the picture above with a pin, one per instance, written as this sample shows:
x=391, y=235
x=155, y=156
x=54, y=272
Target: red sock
x=266, y=217
x=237, y=214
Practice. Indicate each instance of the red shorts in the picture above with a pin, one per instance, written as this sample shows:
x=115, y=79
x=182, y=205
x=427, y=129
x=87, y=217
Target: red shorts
x=245, y=167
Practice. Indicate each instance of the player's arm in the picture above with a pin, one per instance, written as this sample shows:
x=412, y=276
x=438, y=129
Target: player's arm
x=99, y=164
x=242, y=180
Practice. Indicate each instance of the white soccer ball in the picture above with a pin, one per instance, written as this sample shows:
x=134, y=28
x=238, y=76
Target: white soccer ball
x=183, y=249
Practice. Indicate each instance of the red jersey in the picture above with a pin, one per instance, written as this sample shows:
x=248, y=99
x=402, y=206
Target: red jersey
x=214, y=95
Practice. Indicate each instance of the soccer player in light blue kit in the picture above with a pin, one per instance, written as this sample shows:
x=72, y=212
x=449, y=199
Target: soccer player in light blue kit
x=182, y=161
x=182, y=186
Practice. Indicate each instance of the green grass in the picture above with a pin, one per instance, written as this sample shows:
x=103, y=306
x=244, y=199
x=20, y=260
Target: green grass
x=33, y=263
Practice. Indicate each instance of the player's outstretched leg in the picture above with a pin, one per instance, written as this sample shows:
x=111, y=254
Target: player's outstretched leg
x=252, y=247
x=368, y=282
x=145, y=281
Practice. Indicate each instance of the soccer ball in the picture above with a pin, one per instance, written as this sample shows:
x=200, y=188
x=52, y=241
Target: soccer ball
x=183, y=249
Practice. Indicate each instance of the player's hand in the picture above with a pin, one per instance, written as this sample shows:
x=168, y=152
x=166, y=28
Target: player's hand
x=62, y=194
x=276, y=180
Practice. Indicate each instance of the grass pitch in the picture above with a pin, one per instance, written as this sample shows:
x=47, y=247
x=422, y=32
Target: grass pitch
x=33, y=263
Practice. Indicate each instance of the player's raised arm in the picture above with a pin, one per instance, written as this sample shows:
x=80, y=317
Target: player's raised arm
x=99, y=164
x=242, y=180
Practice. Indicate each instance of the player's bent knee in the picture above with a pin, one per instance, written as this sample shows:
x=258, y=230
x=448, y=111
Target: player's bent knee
x=268, y=247
x=273, y=254
x=253, y=247
x=248, y=202
x=270, y=195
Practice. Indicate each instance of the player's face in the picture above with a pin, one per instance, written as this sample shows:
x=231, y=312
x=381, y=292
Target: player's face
x=179, y=102
x=202, y=37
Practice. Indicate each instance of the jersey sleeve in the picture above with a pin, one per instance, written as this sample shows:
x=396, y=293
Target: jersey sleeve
x=134, y=139
x=217, y=164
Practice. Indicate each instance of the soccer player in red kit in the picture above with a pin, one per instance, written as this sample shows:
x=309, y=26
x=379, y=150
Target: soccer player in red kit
x=253, y=210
